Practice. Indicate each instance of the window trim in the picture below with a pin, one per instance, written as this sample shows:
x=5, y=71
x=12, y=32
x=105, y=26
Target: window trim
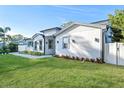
x=40, y=45
x=35, y=45
x=68, y=46
x=52, y=47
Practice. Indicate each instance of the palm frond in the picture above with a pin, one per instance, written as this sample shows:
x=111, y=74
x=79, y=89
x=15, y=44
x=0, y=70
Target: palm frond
x=1, y=30
x=7, y=29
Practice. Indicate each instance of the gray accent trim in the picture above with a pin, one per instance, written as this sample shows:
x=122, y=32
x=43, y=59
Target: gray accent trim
x=35, y=35
x=103, y=45
x=56, y=28
x=79, y=24
x=99, y=21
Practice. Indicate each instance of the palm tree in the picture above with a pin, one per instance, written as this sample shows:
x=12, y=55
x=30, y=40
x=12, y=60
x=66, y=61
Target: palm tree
x=3, y=32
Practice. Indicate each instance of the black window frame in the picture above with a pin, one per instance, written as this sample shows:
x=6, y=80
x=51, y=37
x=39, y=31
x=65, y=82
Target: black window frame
x=35, y=45
x=66, y=45
x=40, y=45
x=50, y=44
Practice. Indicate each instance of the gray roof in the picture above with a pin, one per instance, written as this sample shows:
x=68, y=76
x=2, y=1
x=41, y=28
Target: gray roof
x=79, y=24
x=101, y=21
x=56, y=28
x=35, y=35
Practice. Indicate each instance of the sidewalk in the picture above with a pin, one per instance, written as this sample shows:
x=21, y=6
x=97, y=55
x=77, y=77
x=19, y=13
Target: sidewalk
x=30, y=56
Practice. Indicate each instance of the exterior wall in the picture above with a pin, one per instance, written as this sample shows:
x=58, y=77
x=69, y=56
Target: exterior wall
x=49, y=32
x=22, y=48
x=38, y=38
x=114, y=53
x=47, y=50
x=85, y=44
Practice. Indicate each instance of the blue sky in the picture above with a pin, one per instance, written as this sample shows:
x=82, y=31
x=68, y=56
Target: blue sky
x=28, y=20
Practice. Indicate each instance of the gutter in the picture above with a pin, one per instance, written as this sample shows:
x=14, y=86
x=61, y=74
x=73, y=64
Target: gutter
x=44, y=43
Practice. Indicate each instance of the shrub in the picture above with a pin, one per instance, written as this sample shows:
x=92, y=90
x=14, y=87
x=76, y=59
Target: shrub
x=92, y=60
x=32, y=53
x=4, y=50
x=13, y=47
x=87, y=59
x=1, y=50
x=82, y=59
x=73, y=57
x=56, y=56
x=77, y=58
x=98, y=60
x=38, y=53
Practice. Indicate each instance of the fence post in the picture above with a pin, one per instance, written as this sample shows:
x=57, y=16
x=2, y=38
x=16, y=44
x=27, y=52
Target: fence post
x=117, y=53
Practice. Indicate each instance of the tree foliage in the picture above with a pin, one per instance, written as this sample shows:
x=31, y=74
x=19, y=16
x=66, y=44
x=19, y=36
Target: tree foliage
x=3, y=32
x=117, y=23
x=17, y=38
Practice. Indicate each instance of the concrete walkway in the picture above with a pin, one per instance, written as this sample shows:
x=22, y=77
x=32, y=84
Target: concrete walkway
x=30, y=56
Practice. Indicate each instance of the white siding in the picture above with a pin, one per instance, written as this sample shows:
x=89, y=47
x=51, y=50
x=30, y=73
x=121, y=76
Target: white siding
x=85, y=44
x=38, y=38
x=47, y=50
x=49, y=32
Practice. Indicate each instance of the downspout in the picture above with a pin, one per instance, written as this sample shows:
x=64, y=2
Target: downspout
x=117, y=53
x=103, y=45
x=54, y=44
x=44, y=43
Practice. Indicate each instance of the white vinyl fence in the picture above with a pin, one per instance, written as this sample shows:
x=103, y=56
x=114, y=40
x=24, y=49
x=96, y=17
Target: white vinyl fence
x=22, y=48
x=114, y=53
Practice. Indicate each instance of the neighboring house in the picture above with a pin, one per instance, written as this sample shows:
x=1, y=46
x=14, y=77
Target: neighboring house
x=1, y=44
x=108, y=32
x=74, y=40
x=43, y=42
x=25, y=44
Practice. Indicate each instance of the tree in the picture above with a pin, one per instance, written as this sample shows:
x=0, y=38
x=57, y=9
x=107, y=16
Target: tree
x=117, y=23
x=17, y=38
x=3, y=32
x=117, y=35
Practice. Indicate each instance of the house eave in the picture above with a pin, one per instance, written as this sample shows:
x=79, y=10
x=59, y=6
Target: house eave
x=80, y=24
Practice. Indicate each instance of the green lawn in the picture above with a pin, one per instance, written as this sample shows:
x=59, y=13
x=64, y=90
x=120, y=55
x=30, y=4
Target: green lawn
x=57, y=72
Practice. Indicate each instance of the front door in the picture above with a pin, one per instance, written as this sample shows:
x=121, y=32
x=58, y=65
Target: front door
x=50, y=46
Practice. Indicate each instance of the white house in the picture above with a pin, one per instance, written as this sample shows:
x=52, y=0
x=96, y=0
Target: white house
x=74, y=40
x=80, y=40
x=42, y=42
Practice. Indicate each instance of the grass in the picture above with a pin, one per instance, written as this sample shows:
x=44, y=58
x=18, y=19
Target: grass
x=57, y=72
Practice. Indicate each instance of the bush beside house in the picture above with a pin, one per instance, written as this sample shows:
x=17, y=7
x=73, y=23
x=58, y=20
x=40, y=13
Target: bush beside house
x=32, y=53
x=13, y=47
x=97, y=60
x=9, y=48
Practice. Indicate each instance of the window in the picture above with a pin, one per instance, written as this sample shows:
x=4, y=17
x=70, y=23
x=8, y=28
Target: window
x=40, y=45
x=30, y=44
x=50, y=44
x=65, y=42
x=35, y=47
